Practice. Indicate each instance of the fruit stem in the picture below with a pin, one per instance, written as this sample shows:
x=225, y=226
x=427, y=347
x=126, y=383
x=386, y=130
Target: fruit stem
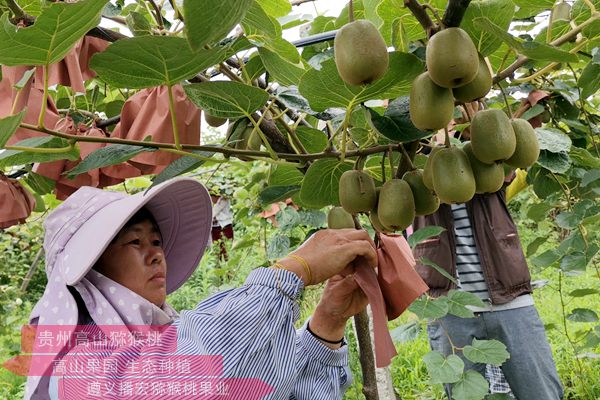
x=350, y=11
x=173, y=118
x=405, y=154
x=44, y=98
x=447, y=142
x=435, y=14
x=508, y=110
x=383, y=177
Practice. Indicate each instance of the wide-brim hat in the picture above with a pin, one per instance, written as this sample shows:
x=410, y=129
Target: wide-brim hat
x=82, y=227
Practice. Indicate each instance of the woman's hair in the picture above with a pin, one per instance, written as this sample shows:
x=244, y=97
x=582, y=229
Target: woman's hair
x=140, y=216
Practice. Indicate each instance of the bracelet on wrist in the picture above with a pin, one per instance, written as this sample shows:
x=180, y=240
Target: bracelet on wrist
x=341, y=341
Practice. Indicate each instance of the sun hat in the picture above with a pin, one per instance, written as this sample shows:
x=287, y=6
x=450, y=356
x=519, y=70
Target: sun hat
x=81, y=228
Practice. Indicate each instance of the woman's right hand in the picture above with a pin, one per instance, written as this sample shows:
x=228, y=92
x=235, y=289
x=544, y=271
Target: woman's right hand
x=329, y=251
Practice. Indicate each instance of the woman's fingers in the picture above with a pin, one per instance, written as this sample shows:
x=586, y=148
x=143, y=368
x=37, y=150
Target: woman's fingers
x=362, y=248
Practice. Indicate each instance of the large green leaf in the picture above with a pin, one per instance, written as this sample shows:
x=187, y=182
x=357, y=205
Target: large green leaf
x=314, y=140
x=428, y=307
x=486, y=352
x=429, y=263
x=533, y=50
x=553, y=140
x=225, y=99
x=499, y=12
x=583, y=315
x=472, y=386
x=528, y=8
x=105, y=156
x=280, y=69
x=9, y=125
x=207, y=21
x=18, y=157
x=324, y=88
x=458, y=300
x=52, y=35
x=406, y=332
x=274, y=194
x=285, y=175
x=257, y=20
x=276, y=8
x=589, y=81
x=443, y=369
x=147, y=61
x=558, y=163
x=320, y=187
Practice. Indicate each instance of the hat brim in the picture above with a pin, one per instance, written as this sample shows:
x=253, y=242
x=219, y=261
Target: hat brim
x=182, y=209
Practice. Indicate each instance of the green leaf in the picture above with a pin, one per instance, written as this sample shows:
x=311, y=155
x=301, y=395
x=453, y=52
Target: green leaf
x=282, y=70
x=533, y=112
x=313, y=140
x=207, y=21
x=324, y=88
x=138, y=24
x=471, y=386
x=458, y=300
x=538, y=212
x=443, y=369
x=559, y=163
x=226, y=99
x=583, y=315
x=18, y=157
x=105, y=156
x=584, y=158
x=273, y=194
x=320, y=187
x=568, y=219
x=148, y=61
x=181, y=166
x=486, y=352
x=590, y=176
x=423, y=234
x=285, y=175
x=528, y=8
x=395, y=124
x=553, y=140
x=52, y=35
x=276, y=8
x=583, y=292
x=546, y=259
x=429, y=263
x=287, y=219
x=39, y=183
x=533, y=247
x=500, y=12
x=589, y=81
x=9, y=125
x=428, y=307
x=26, y=77
x=533, y=50
x=258, y=21
x=574, y=263
x=406, y=332
x=312, y=218
x=278, y=246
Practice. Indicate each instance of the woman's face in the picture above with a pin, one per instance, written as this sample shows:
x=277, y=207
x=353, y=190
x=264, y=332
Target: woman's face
x=136, y=260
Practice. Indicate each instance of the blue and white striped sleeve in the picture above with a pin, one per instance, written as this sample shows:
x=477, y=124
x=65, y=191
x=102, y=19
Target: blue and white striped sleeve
x=252, y=328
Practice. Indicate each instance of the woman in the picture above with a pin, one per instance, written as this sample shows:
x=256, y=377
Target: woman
x=108, y=263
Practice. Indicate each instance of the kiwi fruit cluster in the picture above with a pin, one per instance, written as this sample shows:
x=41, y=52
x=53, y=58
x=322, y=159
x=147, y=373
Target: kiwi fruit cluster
x=455, y=70
x=456, y=174
x=391, y=207
x=360, y=52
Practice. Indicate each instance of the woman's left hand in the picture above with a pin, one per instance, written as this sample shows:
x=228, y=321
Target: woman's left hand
x=341, y=299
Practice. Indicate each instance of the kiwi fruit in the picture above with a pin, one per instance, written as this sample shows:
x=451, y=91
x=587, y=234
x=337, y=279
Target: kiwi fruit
x=357, y=192
x=376, y=223
x=426, y=201
x=431, y=107
x=360, y=52
x=396, y=205
x=492, y=136
x=213, y=121
x=527, y=150
x=488, y=177
x=451, y=57
x=338, y=218
x=478, y=87
x=427, y=178
x=453, y=179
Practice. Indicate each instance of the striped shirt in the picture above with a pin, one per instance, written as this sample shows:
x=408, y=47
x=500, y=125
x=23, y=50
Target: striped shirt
x=468, y=267
x=252, y=328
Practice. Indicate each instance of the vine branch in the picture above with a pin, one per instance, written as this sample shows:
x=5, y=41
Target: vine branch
x=421, y=15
